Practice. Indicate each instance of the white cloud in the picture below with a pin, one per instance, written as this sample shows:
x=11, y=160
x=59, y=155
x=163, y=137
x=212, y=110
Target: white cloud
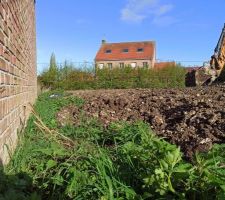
x=164, y=9
x=135, y=11
x=129, y=15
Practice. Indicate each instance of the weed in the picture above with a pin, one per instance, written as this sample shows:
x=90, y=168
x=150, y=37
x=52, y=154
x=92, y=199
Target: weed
x=124, y=161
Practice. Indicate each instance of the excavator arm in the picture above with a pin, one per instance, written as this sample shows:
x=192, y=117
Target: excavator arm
x=211, y=71
x=218, y=59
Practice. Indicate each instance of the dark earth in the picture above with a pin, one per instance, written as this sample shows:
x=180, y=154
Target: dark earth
x=192, y=118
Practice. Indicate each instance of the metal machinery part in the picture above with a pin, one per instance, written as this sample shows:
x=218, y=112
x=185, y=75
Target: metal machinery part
x=212, y=70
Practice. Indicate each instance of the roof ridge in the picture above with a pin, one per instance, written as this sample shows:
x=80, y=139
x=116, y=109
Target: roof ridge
x=148, y=41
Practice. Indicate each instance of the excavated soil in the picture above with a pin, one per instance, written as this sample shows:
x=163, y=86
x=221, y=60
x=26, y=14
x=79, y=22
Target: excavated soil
x=192, y=118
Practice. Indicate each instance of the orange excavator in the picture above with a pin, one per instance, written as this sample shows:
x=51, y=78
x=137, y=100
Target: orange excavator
x=211, y=71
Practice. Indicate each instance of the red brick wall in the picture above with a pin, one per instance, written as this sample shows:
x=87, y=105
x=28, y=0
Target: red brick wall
x=18, y=77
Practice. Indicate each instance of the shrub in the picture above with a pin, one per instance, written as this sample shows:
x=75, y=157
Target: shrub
x=116, y=78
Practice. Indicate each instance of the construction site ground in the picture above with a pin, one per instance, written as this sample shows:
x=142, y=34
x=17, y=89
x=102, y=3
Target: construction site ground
x=192, y=118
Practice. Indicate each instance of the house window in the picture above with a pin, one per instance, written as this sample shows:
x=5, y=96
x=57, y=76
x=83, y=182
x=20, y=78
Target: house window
x=108, y=51
x=140, y=50
x=109, y=65
x=134, y=64
x=125, y=50
x=101, y=65
x=145, y=64
x=121, y=65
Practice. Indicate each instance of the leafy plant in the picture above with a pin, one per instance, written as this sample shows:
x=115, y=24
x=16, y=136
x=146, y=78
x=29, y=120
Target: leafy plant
x=124, y=161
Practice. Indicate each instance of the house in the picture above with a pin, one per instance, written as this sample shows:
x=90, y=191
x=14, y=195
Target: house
x=163, y=65
x=134, y=54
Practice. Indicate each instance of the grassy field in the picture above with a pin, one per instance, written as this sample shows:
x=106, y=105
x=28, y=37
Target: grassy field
x=88, y=161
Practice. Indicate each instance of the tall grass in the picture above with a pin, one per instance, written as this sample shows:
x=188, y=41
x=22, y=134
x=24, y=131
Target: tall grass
x=124, y=161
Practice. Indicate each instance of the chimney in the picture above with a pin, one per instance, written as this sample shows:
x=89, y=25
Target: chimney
x=103, y=41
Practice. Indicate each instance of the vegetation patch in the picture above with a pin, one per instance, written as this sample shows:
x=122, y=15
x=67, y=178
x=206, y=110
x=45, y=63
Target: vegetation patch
x=89, y=161
x=192, y=118
x=69, y=77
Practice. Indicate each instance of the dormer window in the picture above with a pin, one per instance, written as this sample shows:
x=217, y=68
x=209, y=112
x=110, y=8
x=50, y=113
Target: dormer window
x=140, y=50
x=125, y=50
x=108, y=51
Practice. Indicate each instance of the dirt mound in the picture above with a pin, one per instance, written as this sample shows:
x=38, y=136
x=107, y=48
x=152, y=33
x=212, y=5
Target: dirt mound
x=194, y=119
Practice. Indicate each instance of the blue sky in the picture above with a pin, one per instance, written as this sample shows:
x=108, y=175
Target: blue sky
x=183, y=30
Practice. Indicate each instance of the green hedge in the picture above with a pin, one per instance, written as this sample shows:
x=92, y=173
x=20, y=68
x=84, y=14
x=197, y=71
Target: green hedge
x=117, y=78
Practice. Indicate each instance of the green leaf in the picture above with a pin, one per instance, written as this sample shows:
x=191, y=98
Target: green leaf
x=222, y=187
x=177, y=155
x=47, y=152
x=182, y=168
x=164, y=164
x=51, y=163
x=58, y=180
x=58, y=150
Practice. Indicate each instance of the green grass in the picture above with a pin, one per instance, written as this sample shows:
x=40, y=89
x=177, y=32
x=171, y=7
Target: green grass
x=124, y=161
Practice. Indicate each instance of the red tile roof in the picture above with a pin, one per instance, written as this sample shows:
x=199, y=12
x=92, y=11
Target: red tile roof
x=162, y=65
x=118, y=54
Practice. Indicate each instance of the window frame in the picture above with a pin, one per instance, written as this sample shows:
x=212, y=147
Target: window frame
x=140, y=50
x=109, y=65
x=145, y=64
x=121, y=65
x=126, y=50
x=101, y=65
x=131, y=64
x=108, y=51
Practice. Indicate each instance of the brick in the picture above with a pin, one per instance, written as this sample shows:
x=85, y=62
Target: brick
x=17, y=68
x=3, y=64
x=2, y=37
